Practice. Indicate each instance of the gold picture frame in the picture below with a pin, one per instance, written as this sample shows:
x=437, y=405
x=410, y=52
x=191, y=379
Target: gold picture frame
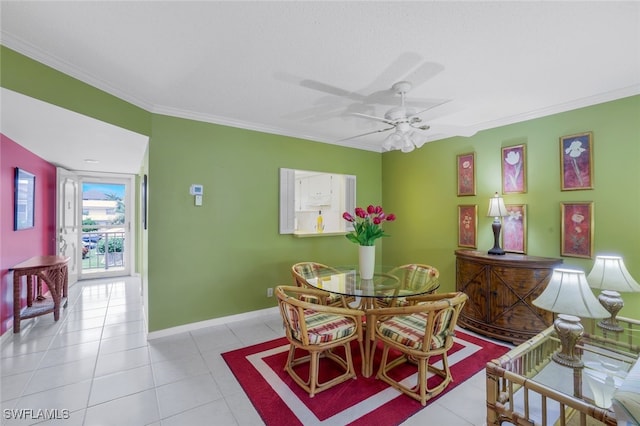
x=466, y=173
x=576, y=162
x=514, y=169
x=514, y=229
x=468, y=225
x=577, y=229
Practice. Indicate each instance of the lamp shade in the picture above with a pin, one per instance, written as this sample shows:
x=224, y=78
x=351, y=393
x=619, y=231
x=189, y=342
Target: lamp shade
x=497, y=207
x=609, y=273
x=568, y=293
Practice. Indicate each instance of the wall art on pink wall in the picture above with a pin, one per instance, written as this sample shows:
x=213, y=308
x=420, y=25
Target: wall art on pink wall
x=576, y=165
x=24, y=199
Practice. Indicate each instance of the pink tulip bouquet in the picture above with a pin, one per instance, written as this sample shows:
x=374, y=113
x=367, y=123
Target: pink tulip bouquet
x=367, y=224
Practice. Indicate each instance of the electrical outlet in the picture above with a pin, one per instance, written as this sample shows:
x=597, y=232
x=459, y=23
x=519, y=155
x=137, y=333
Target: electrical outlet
x=270, y=292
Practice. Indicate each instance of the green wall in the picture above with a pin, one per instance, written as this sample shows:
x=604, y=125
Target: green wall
x=29, y=77
x=206, y=262
x=421, y=188
x=219, y=259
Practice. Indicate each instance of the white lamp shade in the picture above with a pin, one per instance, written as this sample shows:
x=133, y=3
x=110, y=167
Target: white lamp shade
x=497, y=207
x=568, y=293
x=609, y=273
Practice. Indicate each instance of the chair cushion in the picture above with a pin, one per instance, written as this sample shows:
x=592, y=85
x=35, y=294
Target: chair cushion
x=408, y=330
x=321, y=327
x=418, y=277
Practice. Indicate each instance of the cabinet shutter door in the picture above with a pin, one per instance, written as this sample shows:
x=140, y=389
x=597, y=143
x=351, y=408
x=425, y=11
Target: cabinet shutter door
x=350, y=197
x=287, y=201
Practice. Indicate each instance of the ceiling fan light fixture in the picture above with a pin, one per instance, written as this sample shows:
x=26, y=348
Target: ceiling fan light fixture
x=408, y=144
x=393, y=141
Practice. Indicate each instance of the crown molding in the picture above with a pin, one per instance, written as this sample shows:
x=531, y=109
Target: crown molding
x=563, y=107
x=67, y=68
x=64, y=67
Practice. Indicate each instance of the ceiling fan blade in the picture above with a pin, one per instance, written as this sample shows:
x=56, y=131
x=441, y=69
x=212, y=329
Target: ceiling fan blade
x=436, y=103
x=332, y=90
x=423, y=72
x=447, y=129
x=373, y=117
x=368, y=133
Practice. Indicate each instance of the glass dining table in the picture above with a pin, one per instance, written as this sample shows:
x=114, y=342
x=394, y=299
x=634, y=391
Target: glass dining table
x=389, y=286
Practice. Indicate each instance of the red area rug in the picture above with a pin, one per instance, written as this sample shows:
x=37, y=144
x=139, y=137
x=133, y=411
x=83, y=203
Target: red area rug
x=364, y=401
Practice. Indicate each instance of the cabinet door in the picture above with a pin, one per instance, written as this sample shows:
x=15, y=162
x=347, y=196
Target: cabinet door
x=512, y=291
x=472, y=280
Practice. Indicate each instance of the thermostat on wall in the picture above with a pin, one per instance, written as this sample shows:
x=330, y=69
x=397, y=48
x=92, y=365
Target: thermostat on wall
x=196, y=189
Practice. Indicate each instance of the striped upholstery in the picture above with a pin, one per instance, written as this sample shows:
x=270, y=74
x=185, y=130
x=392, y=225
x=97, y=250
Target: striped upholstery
x=413, y=334
x=309, y=270
x=321, y=327
x=418, y=276
x=413, y=277
x=408, y=330
x=313, y=331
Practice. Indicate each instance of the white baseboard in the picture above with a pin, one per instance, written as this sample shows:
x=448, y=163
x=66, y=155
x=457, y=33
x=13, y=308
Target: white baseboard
x=209, y=323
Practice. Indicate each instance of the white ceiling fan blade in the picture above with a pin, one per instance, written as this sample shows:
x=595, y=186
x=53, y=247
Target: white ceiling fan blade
x=373, y=117
x=446, y=129
x=368, y=133
x=435, y=104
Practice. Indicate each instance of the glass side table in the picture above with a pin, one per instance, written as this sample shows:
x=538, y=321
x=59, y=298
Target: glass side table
x=526, y=385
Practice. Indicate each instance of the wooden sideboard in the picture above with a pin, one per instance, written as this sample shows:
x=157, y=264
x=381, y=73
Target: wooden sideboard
x=49, y=269
x=501, y=289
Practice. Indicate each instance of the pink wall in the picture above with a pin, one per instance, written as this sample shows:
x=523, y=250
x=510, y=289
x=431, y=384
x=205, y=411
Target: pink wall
x=17, y=246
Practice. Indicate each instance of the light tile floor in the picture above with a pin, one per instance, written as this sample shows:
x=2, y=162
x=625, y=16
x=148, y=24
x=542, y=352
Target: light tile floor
x=96, y=367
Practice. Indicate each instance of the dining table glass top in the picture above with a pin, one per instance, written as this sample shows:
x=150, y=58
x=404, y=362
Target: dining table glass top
x=388, y=281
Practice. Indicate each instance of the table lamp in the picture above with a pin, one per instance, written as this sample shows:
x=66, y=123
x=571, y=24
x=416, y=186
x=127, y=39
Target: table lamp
x=568, y=294
x=611, y=276
x=497, y=209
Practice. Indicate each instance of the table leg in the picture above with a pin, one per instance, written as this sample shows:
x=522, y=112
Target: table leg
x=370, y=343
x=29, y=289
x=16, y=302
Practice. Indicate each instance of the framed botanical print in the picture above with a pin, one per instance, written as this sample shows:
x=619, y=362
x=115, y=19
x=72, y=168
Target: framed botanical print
x=466, y=166
x=514, y=169
x=577, y=229
x=468, y=226
x=576, y=162
x=514, y=229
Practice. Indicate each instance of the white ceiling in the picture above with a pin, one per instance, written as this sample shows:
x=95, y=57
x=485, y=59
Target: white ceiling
x=300, y=68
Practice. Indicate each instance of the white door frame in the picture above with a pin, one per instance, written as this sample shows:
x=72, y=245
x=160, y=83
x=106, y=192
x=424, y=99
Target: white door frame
x=129, y=225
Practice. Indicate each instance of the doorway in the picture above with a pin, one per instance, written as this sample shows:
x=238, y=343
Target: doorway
x=105, y=233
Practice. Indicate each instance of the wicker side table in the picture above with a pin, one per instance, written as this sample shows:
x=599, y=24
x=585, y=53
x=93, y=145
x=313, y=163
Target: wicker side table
x=51, y=270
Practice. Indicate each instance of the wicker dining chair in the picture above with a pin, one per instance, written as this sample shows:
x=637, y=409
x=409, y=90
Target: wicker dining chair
x=418, y=331
x=412, y=276
x=317, y=330
x=301, y=271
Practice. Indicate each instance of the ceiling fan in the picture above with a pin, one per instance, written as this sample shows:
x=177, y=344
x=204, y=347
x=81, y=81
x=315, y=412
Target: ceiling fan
x=405, y=122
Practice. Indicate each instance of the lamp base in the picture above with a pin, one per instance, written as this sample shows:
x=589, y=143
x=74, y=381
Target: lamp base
x=496, y=250
x=569, y=330
x=496, y=237
x=612, y=302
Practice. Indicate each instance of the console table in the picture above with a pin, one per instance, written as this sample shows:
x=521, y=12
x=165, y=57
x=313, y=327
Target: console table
x=49, y=269
x=501, y=289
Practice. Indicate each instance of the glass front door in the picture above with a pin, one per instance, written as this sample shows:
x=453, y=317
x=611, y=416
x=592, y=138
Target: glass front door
x=105, y=233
